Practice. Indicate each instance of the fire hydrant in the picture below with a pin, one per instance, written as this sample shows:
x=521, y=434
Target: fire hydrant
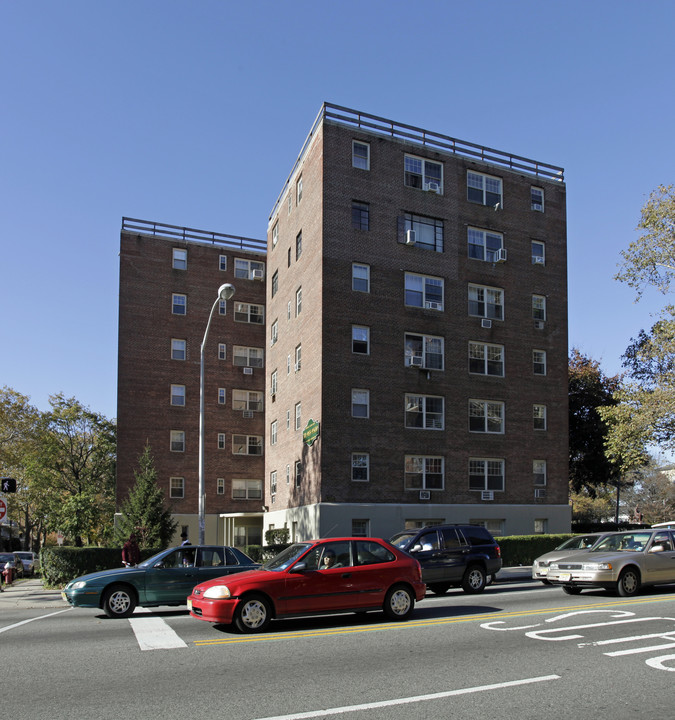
x=7, y=573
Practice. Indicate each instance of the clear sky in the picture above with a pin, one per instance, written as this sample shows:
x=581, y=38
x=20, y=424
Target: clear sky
x=192, y=113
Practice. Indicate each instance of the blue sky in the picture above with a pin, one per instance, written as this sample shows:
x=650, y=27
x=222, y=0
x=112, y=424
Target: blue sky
x=192, y=113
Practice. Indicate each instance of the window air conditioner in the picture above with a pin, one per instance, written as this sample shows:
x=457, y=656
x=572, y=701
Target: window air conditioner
x=485, y=323
x=247, y=413
x=425, y=495
x=410, y=237
x=537, y=260
x=433, y=306
x=538, y=324
x=248, y=371
x=416, y=361
x=257, y=274
x=297, y=366
x=487, y=495
x=432, y=186
x=540, y=493
x=500, y=255
x=538, y=206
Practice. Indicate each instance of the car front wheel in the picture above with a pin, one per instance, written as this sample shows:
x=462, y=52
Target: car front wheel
x=253, y=614
x=628, y=583
x=399, y=603
x=119, y=601
x=474, y=580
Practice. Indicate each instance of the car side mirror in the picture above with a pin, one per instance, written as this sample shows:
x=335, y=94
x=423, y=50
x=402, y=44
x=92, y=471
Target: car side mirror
x=656, y=548
x=160, y=564
x=415, y=548
x=298, y=567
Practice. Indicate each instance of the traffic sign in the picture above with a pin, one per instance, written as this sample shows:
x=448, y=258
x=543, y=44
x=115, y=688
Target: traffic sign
x=3, y=509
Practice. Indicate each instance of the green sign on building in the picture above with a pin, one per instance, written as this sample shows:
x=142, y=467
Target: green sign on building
x=311, y=432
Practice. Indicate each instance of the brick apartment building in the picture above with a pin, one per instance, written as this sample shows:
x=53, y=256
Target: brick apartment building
x=169, y=280
x=417, y=312
x=408, y=345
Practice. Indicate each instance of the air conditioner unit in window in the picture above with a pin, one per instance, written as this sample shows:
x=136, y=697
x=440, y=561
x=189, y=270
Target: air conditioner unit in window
x=537, y=260
x=425, y=495
x=433, y=306
x=538, y=324
x=500, y=255
x=432, y=186
x=540, y=493
x=487, y=495
x=257, y=275
x=297, y=366
x=248, y=371
x=416, y=361
x=485, y=323
x=538, y=206
x=247, y=413
x=410, y=237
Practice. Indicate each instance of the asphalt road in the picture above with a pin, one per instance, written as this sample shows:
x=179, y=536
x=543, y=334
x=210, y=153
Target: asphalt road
x=519, y=650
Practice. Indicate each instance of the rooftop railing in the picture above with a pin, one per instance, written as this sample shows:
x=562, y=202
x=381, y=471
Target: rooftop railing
x=185, y=234
x=437, y=141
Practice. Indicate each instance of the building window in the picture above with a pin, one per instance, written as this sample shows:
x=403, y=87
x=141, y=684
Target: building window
x=220, y=486
x=222, y=307
x=222, y=351
x=424, y=292
x=486, y=359
x=221, y=441
x=221, y=396
x=360, y=215
x=248, y=356
x=178, y=349
x=539, y=307
x=484, y=245
x=177, y=440
x=298, y=190
x=288, y=419
x=249, y=269
x=424, y=351
x=179, y=259
x=274, y=332
x=360, y=155
x=274, y=432
x=298, y=301
x=537, y=198
x=178, y=304
x=288, y=257
x=288, y=365
x=177, y=487
x=360, y=277
x=486, y=416
x=539, y=362
x=273, y=383
x=538, y=253
x=288, y=474
x=250, y=400
x=275, y=235
x=486, y=302
x=273, y=484
x=247, y=313
x=275, y=283
x=424, y=472
x=360, y=339
x=178, y=395
x=428, y=232
x=423, y=174
x=290, y=202
x=298, y=473
x=486, y=474
x=541, y=526
x=222, y=262
x=298, y=416
x=360, y=403
x=360, y=467
x=360, y=528
x=425, y=412
x=298, y=358
x=247, y=489
x=483, y=189
x=539, y=417
x=539, y=472
x=298, y=245
x=247, y=445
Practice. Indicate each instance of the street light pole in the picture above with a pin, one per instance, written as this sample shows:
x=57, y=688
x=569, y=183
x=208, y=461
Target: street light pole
x=225, y=292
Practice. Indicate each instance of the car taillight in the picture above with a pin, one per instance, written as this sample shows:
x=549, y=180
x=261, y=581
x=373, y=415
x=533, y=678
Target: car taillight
x=499, y=552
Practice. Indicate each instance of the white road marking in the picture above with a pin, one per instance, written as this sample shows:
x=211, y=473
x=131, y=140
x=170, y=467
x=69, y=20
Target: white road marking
x=409, y=700
x=152, y=633
x=41, y=617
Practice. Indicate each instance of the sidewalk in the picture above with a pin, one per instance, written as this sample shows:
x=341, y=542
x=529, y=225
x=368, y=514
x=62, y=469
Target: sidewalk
x=29, y=593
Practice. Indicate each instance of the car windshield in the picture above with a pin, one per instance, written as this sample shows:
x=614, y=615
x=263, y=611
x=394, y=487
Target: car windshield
x=151, y=560
x=25, y=555
x=286, y=557
x=580, y=542
x=624, y=542
x=402, y=540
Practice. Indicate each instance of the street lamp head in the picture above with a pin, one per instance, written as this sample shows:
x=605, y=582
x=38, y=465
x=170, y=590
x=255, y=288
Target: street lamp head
x=226, y=291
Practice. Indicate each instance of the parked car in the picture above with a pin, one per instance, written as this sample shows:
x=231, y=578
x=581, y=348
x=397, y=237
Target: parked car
x=622, y=563
x=452, y=556
x=315, y=577
x=578, y=543
x=30, y=562
x=15, y=562
x=164, y=579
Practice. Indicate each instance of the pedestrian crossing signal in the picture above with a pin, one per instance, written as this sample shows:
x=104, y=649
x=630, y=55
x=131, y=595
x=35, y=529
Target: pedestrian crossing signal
x=8, y=485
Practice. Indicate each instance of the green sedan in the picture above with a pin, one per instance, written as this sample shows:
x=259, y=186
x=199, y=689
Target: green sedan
x=164, y=579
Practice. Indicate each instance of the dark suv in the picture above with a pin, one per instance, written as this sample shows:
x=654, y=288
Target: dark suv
x=452, y=555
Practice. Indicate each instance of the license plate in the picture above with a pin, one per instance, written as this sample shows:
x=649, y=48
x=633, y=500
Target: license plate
x=189, y=604
x=543, y=571
x=564, y=577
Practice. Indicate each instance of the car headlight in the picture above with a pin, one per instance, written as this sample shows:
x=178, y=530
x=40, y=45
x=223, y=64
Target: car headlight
x=217, y=592
x=594, y=567
x=78, y=585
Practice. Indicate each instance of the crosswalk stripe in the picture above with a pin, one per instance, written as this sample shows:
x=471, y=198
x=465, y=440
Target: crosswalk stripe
x=152, y=633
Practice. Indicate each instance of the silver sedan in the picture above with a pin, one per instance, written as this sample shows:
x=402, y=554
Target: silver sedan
x=621, y=563
x=571, y=546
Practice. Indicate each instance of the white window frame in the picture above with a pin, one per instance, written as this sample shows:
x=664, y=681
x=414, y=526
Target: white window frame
x=484, y=245
x=356, y=329
x=298, y=246
x=179, y=258
x=539, y=307
x=539, y=366
x=361, y=160
x=274, y=382
x=177, y=487
x=298, y=416
x=221, y=441
x=537, y=198
x=416, y=345
x=298, y=358
x=178, y=300
x=222, y=396
x=539, y=417
x=178, y=347
x=360, y=399
x=243, y=489
x=244, y=356
x=251, y=400
x=490, y=298
x=249, y=313
x=298, y=191
x=298, y=473
x=490, y=187
x=360, y=215
x=222, y=351
x=416, y=408
x=418, y=467
x=222, y=263
x=275, y=234
x=220, y=486
x=490, y=355
x=360, y=465
x=492, y=414
x=485, y=468
x=273, y=485
x=178, y=395
x=418, y=173
x=428, y=231
x=298, y=301
x=539, y=475
x=247, y=445
x=274, y=432
x=360, y=527
x=538, y=249
x=177, y=440
x=274, y=332
x=422, y=285
x=244, y=268
x=360, y=275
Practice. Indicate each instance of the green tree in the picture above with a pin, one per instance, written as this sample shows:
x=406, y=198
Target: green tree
x=652, y=498
x=143, y=512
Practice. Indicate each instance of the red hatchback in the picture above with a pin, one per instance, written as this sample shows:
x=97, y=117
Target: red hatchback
x=314, y=577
